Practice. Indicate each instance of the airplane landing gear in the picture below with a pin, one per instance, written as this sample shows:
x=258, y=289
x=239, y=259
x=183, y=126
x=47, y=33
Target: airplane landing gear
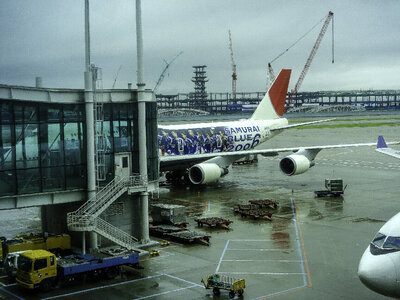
x=177, y=177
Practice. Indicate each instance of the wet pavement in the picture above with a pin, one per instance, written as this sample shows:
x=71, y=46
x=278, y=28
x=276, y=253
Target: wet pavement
x=310, y=249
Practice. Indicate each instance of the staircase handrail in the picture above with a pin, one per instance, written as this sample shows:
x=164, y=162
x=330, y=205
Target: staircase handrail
x=103, y=228
x=80, y=221
x=104, y=191
x=95, y=202
x=114, y=232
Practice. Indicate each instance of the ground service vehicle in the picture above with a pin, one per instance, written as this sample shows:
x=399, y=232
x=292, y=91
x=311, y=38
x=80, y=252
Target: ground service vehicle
x=57, y=243
x=11, y=262
x=2, y=240
x=217, y=282
x=41, y=269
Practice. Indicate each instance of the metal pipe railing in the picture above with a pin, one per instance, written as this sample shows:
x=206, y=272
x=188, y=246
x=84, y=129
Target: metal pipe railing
x=86, y=218
x=97, y=204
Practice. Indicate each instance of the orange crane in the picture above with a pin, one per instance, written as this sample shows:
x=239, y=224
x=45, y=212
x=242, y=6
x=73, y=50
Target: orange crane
x=271, y=74
x=234, y=76
x=293, y=93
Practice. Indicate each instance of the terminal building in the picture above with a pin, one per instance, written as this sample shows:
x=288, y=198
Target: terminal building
x=88, y=157
x=43, y=155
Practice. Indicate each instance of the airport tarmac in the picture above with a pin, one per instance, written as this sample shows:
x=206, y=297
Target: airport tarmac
x=310, y=249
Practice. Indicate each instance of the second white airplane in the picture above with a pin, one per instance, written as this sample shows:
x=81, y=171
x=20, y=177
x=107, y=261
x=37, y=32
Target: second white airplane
x=203, y=152
x=380, y=264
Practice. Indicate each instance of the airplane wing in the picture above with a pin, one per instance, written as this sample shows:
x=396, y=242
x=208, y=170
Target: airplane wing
x=383, y=148
x=185, y=161
x=302, y=124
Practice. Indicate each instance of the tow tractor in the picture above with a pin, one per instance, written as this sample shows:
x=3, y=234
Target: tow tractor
x=220, y=282
x=334, y=188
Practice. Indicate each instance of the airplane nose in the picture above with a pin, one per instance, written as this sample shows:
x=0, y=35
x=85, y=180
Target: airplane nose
x=378, y=273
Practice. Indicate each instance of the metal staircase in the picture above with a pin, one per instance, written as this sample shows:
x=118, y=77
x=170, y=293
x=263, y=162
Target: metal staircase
x=114, y=234
x=86, y=218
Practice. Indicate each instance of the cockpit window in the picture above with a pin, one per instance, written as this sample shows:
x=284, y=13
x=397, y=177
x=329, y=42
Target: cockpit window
x=392, y=242
x=379, y=239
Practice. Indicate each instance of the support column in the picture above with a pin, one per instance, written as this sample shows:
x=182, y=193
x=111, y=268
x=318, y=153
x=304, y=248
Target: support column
x=89, y=99
x=83, y=242
x=144, y=224
x=144, y=196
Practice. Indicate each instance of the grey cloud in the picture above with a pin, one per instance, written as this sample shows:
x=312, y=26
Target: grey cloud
x=46, y=37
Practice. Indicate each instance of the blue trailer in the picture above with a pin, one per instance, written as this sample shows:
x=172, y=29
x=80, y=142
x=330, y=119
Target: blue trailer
x=42, y=269
x=79, y=263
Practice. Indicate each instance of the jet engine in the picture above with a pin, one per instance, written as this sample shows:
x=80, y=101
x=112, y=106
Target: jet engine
x=205, y=173
x=295, y=164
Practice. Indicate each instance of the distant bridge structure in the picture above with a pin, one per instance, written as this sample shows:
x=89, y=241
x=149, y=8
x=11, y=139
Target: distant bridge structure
x=327, y=108
x=222, y=103
x=181, y=112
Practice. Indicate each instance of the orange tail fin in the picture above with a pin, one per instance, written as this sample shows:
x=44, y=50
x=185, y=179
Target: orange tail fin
x=273, y=103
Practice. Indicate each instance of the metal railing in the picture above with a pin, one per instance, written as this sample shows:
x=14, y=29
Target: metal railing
x=79, y=223
x=86, y=217
x=109, y=231
x=113, y=233
x=108, y=194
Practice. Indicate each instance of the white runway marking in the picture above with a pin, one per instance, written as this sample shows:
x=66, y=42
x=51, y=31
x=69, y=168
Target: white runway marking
x=192, y=285
x=265, y=260
x=261, y=273
x=164, y=293
x=254, y=249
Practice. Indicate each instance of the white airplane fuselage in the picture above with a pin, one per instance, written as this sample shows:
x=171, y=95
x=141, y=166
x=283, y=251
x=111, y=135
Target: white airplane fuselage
x=216, y=137
x=379, y=267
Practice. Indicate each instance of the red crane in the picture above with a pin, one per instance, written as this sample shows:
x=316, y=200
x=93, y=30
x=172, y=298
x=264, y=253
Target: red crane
x=271, y=74
x=234, y=76
x=293, y=93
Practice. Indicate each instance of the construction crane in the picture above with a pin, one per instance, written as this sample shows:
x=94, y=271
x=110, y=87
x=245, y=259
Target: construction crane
x=234, y=76
x=161, y=78
x=271, y=74
x=116, y=77
x=293, y=93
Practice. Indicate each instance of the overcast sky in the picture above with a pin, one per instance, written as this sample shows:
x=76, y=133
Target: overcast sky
x=46, y=38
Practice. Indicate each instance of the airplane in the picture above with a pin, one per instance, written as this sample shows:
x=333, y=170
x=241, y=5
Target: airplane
x=383, y=148
x=380, y=264
x=202, y=153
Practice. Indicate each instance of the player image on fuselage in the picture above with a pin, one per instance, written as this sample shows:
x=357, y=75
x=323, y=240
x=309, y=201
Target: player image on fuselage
x=207, y=139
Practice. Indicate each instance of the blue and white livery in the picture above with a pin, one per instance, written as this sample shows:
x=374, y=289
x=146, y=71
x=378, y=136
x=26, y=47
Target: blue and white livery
x=206, y=150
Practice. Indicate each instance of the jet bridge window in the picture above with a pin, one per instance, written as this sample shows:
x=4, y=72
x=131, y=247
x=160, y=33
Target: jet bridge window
x=379, y=239
x=392, y=242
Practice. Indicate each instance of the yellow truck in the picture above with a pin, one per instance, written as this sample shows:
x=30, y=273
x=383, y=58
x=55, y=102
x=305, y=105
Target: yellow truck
x=56, y=243
x=218, y=282
x=2, y=239
x=37, y=268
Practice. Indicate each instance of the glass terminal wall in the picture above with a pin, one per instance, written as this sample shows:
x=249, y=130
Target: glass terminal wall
x=42, y=146
x=121, y=135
